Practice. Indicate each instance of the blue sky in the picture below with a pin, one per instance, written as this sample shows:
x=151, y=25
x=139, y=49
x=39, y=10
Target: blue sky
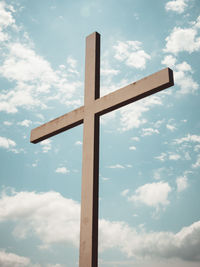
x=149, y=150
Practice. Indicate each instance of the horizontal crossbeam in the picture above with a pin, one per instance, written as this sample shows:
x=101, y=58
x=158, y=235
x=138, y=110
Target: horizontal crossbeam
x=58, y=125
x=126, y=95
x=134, y=91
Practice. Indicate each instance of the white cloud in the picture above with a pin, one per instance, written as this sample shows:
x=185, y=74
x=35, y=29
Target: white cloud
x=6, y=20
x=125, y=192
x=149, y=131
x=182, y=183
x=183, y=77
x=189, y=138
x=162, y=157
x=132, y=148
x=49, y=216
x=7, y=143
x=170, y=127
x=55, y=219
x=105, y=178
x=25, y=123
x=72, y=64
x=34, y=79
x=197, y=163
x=174, y=156
x=181, y=40
x=169, y=61
x=131, y=53
x=13, y=260
x=196, y=23
x=178, y=6
x=137, y=139
x=116, y=166
x=109, y=72
x=163, y=245
x=158, y=173
x=7, y=123
x=154, y=194
x=78, y=143
x=62, y=170
x=46, y=145
x=128, y=165
x=131, y=115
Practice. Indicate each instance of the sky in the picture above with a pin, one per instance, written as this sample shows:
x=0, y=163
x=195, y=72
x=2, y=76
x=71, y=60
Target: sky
x=149, y=176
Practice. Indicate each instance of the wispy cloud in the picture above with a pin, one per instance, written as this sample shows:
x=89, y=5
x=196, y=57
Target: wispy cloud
x=25, y=123
x=116, y=166
x=131, y=116
x=149, y=131
x=197, y=163
x=46, y=145
x=182, y=183
x=62, y=170
x=154, y=194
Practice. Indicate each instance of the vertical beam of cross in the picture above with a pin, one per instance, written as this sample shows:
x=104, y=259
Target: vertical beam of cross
x=90, y=165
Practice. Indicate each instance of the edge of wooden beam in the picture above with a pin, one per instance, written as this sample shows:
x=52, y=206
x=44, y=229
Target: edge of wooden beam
x=58, y=125
x=135, y=91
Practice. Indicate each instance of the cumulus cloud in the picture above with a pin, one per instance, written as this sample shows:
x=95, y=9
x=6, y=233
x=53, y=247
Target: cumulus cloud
x=169, y=61
x=154, y=194
x=55, y=219
x=50, y=216
x=13, y=260
x=182, y=75
x=131, y=53
x=184, y=244
x=7, y=143
x=32, y=77
x=178, y=6
x=183, y=39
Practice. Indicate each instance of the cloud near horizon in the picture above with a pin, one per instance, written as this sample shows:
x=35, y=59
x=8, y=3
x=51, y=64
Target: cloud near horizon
x=42, y=214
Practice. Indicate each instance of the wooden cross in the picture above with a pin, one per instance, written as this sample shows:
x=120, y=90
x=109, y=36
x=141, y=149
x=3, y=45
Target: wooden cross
x=89, y=114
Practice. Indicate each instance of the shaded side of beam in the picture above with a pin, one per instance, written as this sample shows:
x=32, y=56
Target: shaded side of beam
x=135, y=91
x=57, y=125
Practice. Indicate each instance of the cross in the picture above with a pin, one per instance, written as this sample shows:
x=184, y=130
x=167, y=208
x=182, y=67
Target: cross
x=89, y=114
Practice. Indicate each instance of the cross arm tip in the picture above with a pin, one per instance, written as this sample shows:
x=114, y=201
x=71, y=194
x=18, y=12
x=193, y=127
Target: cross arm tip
x=171, y=76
